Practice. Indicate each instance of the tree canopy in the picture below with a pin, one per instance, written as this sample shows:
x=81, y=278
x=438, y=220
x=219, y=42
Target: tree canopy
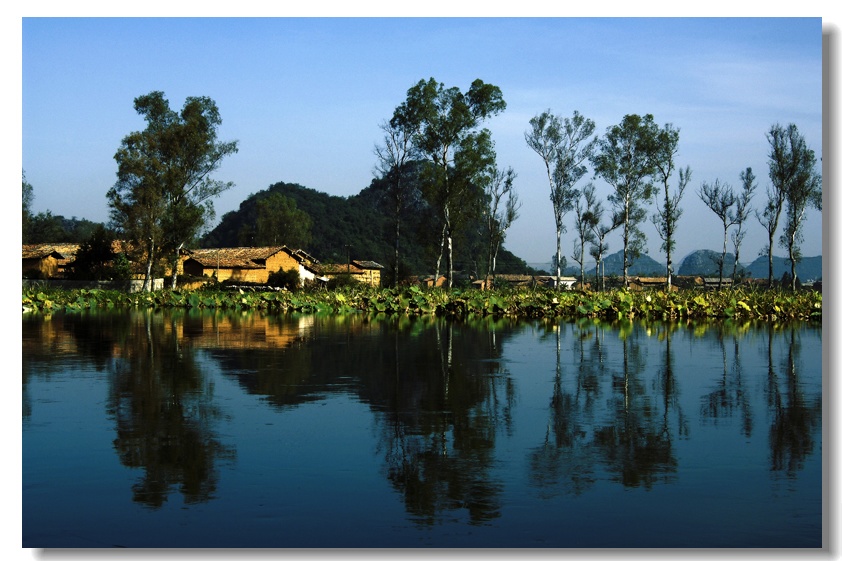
x=164, y=190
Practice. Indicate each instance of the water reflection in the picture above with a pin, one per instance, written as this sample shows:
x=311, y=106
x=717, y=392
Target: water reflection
x=445, y=396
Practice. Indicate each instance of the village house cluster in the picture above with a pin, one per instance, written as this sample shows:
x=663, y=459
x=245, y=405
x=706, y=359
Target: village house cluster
x=247, y=265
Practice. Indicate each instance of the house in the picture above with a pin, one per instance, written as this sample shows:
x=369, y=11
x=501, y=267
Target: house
x=47, y=260
x=248, y=264
x=367, y=272
x=647, y=283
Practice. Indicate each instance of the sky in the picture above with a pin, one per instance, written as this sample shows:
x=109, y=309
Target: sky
x=304, y=98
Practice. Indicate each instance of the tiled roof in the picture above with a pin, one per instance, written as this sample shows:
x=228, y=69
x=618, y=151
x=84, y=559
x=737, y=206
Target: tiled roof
x=245, y=257
x=337, y=268
x=367, y=264
x=39, y=251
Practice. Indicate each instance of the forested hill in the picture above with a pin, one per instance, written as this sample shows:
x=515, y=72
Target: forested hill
x=361, y=227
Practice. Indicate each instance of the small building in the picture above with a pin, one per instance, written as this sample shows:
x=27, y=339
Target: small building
x=647, y=283
x=370, y=271
x=47, y=260
x=367, y=272
x=248, y=264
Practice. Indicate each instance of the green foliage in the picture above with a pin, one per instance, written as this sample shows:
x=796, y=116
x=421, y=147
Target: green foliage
x=280, y=222
x=288, y=279
x=96, y=260
x=614, y=305
x=164, y=191
x=362, y=225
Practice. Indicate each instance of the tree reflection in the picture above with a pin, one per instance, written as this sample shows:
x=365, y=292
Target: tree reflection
x=730, y=395
x=164, y=414
x=439, y=457
x=797, y=417
x=633, y=443
x=566, y=457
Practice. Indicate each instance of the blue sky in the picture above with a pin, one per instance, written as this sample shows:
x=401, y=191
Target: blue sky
x=304, y=98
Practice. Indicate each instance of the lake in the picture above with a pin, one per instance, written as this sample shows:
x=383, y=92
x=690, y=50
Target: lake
x=181, y=429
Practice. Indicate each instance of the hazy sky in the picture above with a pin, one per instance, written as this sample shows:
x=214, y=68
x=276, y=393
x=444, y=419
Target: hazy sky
x=304, y=98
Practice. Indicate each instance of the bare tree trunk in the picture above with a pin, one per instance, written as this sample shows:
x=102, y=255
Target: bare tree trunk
x=175, y=265
x=791, y=245
x=397, y=249
x=147, y=281
x=771, y=271
x=438, y=260
x=449, y=260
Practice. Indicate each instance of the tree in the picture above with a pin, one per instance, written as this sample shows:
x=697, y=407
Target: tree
x=447, y=137
x=741, y=214
x=792, y=169
x=280, y=222
x=501, y=212
x=666, y=219
x=769, y=218
x=564, y=148
x=600, y=232
x=625, y=161
x=163, y=194
x=28, y=196
x=720, y=198
x=586, y=221
x=394, y=157
x=97, y=260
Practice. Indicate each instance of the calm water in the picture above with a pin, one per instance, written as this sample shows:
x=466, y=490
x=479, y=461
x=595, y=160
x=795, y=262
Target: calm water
x=241, y=430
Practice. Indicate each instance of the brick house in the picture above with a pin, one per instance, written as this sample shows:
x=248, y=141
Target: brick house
x=48, y=260
x=367, y=272
x=248, y=264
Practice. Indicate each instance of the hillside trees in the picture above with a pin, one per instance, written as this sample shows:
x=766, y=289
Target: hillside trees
x=164, y=191
x=447, y=136
x=624, y=159
x=564, y=145
x=280, y=222
x=794, y=177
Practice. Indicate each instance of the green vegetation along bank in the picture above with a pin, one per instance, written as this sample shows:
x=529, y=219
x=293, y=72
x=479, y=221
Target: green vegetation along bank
x=771, y=305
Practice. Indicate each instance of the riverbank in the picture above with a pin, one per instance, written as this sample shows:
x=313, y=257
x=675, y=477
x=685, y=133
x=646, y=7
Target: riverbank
x=772, y=305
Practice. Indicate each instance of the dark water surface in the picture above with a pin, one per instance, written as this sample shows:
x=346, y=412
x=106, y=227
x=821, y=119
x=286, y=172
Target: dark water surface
x=240, y=430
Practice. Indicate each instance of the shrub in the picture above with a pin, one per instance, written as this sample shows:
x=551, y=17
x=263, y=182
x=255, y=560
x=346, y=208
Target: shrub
x=288, y=279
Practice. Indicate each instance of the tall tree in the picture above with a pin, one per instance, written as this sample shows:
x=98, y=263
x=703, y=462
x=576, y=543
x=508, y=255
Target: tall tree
x=164, y=191
x=27, y=197
x=741, y=213
x=448, y=138
x=502, y=210
x=666, y=218
x=585, y=223
x=720, y=198
x=792, y=168
x=600, y=231
x=625, y=161
x=779, y=175
x=564, y=145
x=394, y=158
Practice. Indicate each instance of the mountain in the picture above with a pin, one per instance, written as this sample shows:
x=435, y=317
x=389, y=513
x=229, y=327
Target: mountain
x=704, y=263
x=362, y=227
x=643, y=266
x=808, y=269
